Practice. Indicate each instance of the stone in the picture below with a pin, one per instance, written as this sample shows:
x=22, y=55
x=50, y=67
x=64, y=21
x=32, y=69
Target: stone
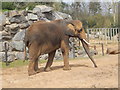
x=44, y=19
x=40, y=15
x=12, y=29
x=2, y=47
x=60, y=15
x=113, y=50
x=7, y=21
x=48, y=15
x=23, y=12
x=20, y=55
x=7, y=28
x=13, y=26
x=30, y=22
x=4, y=33
x=36, y=10
x=18, y=19
x=17, y=46
x=24, y=25
x=6, y=13
x=42, y=8
x=11, y=56
x=56, y=16
x=1, y=27
x=4, y=38
x=32, y=16
x=2, y=19
x=44, y=57
x=58, y=55
x=19, y=36
x=13, y=13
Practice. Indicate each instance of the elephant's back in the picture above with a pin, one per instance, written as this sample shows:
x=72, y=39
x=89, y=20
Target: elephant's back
x=45, y=32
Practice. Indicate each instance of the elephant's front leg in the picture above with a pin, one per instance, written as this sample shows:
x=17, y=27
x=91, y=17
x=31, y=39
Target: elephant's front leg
x=65, y=52
x=50, y=60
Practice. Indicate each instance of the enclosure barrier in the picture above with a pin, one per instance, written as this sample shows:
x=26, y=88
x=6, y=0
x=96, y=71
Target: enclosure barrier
x=103, y=35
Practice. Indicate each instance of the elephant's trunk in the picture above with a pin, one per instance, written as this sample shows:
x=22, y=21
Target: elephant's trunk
x=86, y=47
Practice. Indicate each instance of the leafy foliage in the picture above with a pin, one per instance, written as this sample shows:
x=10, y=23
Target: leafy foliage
x=8, y=5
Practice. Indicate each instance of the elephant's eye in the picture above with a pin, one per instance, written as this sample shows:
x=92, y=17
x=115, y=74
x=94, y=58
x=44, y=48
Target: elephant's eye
x=79, y=30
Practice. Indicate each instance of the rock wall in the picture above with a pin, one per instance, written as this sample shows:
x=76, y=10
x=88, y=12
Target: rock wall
x=14, y=24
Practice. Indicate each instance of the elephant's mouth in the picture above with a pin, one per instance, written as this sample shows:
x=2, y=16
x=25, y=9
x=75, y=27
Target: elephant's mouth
x=86, y=48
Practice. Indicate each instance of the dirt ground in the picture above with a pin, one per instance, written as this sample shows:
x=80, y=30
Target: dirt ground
x=81, y=75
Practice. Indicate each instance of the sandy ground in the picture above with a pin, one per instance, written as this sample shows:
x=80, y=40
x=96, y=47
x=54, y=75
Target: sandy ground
x=81, y=75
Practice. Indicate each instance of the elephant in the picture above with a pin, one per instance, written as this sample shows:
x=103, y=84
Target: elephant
x=46, y=37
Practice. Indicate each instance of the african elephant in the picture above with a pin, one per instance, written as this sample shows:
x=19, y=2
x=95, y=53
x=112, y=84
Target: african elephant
x=46, y=37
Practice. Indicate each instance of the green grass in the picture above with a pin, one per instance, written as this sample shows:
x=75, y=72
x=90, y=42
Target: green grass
x=19, y=63
x=16, y=63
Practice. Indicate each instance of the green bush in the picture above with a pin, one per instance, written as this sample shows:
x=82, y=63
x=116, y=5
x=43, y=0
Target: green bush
x=8, y=5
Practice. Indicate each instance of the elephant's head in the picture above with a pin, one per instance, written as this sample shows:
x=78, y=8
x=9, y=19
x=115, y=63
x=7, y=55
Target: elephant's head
x=75, y=29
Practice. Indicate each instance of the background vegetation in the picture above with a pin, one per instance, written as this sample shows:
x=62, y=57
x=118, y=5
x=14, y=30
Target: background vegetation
x=92, y=14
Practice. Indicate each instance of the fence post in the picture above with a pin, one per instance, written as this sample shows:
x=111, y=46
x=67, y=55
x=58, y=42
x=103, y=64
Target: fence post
x=105, y=35
x=94, y=47
x=102, y=49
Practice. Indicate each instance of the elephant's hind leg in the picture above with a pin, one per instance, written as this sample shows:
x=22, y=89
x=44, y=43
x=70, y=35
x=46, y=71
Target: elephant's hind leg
x=34, y=54
x=50, y=61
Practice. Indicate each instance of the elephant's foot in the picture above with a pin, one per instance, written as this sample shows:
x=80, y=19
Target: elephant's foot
x=66, y=68
x=31, y=73
x=47, y=69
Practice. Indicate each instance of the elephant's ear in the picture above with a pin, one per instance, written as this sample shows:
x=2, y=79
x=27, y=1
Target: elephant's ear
x=70, y=31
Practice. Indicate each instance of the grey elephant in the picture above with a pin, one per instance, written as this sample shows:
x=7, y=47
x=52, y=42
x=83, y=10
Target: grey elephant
x=46, y=37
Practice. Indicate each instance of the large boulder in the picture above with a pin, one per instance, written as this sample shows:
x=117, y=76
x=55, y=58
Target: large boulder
x=19, y=36
x=17, y=46
x=32, y=17
x=42, y=8
x=18, y=19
